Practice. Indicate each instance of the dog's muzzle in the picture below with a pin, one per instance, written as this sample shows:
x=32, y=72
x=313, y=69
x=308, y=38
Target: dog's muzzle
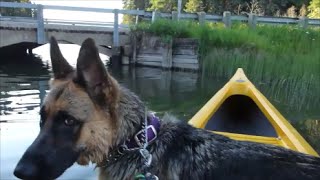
x=27, y=170
x=45, y=159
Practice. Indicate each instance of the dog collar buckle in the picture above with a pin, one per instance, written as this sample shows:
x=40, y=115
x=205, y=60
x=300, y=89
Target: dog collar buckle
x=151, y=135
x=138, y=140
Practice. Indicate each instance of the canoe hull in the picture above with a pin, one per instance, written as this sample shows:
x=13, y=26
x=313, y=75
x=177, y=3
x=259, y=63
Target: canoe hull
x=276, y=130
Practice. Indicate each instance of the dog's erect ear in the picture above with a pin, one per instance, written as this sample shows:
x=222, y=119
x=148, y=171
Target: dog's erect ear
x=60, y=67
x=91, y=72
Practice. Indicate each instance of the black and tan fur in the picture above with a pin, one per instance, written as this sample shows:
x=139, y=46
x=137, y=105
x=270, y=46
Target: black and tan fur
x=87, y=113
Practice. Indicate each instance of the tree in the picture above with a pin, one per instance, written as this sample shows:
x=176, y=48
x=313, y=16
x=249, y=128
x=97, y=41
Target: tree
x=128, y=4
x=255, y=8
x=23, y=12
x=163, y=5
x=193, y=6
x=303, y=11
x=270, y=8
x=260, y=7
x=291, y=12
x=314, y=9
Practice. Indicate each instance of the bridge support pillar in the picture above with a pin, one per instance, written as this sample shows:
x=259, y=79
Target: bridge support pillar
x=116, y=58
x=40, y=28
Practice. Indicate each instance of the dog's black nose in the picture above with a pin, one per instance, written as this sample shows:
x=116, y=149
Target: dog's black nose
x=26, y=171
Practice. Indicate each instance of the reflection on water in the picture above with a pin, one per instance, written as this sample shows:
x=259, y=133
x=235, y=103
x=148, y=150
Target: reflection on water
x=22, y=87
x=24, y=84
x=179, y=93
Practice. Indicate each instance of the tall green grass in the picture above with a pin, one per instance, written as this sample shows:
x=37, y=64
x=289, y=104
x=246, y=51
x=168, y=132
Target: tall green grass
x=279, y=57
x=275, y=57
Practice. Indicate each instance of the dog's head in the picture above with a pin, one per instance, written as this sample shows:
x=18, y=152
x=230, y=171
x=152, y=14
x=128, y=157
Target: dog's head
x=78, y=111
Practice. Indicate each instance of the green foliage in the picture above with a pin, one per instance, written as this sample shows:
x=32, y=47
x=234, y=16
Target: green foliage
x=314, y=9
x=22, y=12
x=164, y=27
x=193, y=6
x=311, y=131
x=128, y=4
x=163, y=5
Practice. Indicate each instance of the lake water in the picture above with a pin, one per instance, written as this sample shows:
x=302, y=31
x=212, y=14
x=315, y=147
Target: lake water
x=24, y=84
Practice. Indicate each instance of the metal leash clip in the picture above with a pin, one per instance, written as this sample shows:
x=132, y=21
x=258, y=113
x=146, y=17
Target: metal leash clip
x=147, y=156
x=149, y=176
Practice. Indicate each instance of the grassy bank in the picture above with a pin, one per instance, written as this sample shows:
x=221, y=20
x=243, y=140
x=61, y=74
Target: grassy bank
x=272, y=56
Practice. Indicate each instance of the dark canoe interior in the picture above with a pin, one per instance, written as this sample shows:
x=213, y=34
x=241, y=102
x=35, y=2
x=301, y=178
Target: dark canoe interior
x=240, y=114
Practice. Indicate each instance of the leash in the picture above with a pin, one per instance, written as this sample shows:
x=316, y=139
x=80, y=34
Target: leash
x=140, y=141
x=147, y=156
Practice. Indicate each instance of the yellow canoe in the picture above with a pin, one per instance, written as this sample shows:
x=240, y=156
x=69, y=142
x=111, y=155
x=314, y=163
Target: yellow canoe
x=240, y=111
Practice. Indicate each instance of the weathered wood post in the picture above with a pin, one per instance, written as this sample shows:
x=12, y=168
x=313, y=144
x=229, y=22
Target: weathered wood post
x=40, y=25
x=303, y=22
x=252, y=20
x=155, y=16
x=116, y=51
x=166, y=80
x=226, y=19
x=174, y=15
x=201, y=18
x=167, y=55
x=134, y=47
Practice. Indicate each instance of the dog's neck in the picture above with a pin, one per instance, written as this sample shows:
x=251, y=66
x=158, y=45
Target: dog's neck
x=131, y=114
x=133, y=119
x=141, y=140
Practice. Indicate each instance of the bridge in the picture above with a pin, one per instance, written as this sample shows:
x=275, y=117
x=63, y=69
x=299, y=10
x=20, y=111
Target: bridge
x=31, y=32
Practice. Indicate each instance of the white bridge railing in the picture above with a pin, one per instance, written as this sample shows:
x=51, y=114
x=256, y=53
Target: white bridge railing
x=226, y=18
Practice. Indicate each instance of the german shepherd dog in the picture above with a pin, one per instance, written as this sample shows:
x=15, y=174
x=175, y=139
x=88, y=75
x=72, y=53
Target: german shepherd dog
x=87, y=116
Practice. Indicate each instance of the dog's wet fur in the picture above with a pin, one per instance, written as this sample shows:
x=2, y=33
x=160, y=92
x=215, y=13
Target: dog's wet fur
x=87, y=113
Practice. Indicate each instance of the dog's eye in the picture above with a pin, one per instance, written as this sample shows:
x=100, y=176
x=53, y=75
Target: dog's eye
x=69, y=122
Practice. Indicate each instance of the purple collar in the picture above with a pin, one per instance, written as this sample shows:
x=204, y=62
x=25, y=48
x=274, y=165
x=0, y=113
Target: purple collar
x=137, y=141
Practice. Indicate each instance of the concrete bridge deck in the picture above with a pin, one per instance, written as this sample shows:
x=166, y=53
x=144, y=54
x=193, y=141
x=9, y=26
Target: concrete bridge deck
x=14, y=32
x=35, y=31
